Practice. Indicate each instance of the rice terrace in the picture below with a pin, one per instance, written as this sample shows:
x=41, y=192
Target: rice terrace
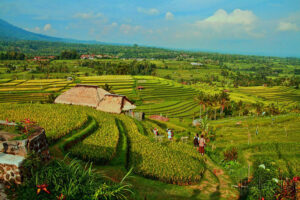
x=90, y=120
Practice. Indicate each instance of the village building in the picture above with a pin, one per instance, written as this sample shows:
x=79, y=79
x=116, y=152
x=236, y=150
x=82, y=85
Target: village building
x=196, y=64
x=96, y=97
x=140, y=88
x=83, y=57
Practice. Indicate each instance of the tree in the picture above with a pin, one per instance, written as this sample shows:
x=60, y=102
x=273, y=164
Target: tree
x=223, y=99
x=201, y=100
x=258, y=108
x=107, y=87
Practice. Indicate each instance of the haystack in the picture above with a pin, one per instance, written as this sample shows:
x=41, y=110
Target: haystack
x=93, y=96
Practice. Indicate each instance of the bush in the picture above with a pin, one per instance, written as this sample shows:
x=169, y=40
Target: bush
x=264, y=182
x=70, y=179
x=231, y=154
x=288, y=189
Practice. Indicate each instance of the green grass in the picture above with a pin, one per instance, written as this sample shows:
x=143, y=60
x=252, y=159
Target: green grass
x=277, y=138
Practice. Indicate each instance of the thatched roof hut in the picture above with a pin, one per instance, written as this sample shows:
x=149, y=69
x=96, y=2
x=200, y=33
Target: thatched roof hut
x=93, y=96
x=115, y=104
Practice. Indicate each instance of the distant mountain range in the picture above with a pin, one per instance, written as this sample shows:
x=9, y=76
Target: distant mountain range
x=9, y=32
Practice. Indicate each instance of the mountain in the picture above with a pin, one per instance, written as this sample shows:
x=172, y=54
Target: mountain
x=10, y=32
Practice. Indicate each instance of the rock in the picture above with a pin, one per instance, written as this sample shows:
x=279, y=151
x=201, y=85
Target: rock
x=3, y=196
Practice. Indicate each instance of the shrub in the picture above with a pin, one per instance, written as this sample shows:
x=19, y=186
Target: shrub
x=288, y=189
x=264, y=182
x=68, y=178
x=231, y=154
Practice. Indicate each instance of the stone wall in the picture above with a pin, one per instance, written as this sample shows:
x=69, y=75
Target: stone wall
x=10, y=173
x=14, y=152
x=38, y=143
x=15, y=147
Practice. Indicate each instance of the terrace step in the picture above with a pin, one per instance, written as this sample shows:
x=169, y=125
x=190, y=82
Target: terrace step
x=58, y=149
x=122, y=148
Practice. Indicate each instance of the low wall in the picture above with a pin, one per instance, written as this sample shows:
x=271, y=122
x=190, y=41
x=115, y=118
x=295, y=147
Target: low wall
x=13, y=153
x=10, y=168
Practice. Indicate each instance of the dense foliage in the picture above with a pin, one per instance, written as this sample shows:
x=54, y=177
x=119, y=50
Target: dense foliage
x=69, y=180
x=12, y=56
x=265, y=180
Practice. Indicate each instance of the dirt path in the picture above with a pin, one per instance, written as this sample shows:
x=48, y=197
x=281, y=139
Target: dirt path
x=215, y=183
x=57, y=150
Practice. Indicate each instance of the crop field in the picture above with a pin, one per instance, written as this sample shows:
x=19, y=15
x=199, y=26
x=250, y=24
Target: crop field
x=57, y=120
x=165, y=163
x=167, y=98
x=101, y=145
x=274, y=137
x=274, y=94
x=245, y=120
x=154, y=160
x=20, y=91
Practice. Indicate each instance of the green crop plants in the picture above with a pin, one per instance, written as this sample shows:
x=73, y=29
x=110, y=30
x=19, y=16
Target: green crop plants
x=154, y=160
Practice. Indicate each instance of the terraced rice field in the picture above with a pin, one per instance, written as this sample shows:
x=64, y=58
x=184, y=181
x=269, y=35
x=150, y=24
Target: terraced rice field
x=167, y=98
x=274, y=137
x=21, y=91
x=165, y=163
x=160, y=96
x=271, y=94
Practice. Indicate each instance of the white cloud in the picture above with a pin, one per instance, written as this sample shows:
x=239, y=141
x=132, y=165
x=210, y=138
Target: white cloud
x=47, y=27
x=150, y=11
x=89, y=15
x=237, y=17
x=238, y=24
x=127, y=29
x=114, y=24
x=287, y=26
x=169, y=16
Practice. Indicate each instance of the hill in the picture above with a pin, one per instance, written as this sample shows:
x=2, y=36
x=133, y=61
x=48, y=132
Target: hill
x=10, y=32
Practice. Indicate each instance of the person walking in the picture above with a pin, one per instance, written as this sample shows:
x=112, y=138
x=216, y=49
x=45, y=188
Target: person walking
x=196, y=141
x=170, y=134
x=155, y=131
x=202, y=145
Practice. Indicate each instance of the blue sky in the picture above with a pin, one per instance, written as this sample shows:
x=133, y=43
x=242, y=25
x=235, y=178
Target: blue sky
x=262, y=27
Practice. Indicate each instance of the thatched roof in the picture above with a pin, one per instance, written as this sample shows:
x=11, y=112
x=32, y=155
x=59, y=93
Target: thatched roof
x=92, y=95
x=115, y=104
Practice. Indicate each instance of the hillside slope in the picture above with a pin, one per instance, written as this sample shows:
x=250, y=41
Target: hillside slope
x=10, y=32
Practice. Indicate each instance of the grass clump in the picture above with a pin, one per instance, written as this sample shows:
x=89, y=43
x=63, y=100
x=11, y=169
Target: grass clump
x=68, y=179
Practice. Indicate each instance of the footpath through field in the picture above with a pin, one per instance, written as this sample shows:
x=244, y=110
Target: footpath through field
x=58, y=149
x=214, y=184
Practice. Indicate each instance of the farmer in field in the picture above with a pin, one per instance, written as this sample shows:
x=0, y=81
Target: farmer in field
x=202, y=145
x=170, y=134
x=155, y=131
x=196, y=141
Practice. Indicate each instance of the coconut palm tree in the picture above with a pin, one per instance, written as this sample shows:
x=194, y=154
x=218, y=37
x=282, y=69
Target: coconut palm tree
x=223, y=99
x=200, y=98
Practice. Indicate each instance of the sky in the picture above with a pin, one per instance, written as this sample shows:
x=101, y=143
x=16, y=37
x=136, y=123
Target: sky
x=259, y=27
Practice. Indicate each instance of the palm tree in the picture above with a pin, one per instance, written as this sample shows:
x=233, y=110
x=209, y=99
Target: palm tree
x=223, y=99
x=240, y=106
x=215, y=101
x=201, y=100
x=258, y=108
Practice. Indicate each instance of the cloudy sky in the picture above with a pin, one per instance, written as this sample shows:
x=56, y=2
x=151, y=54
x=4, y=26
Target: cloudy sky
x=262, y=27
